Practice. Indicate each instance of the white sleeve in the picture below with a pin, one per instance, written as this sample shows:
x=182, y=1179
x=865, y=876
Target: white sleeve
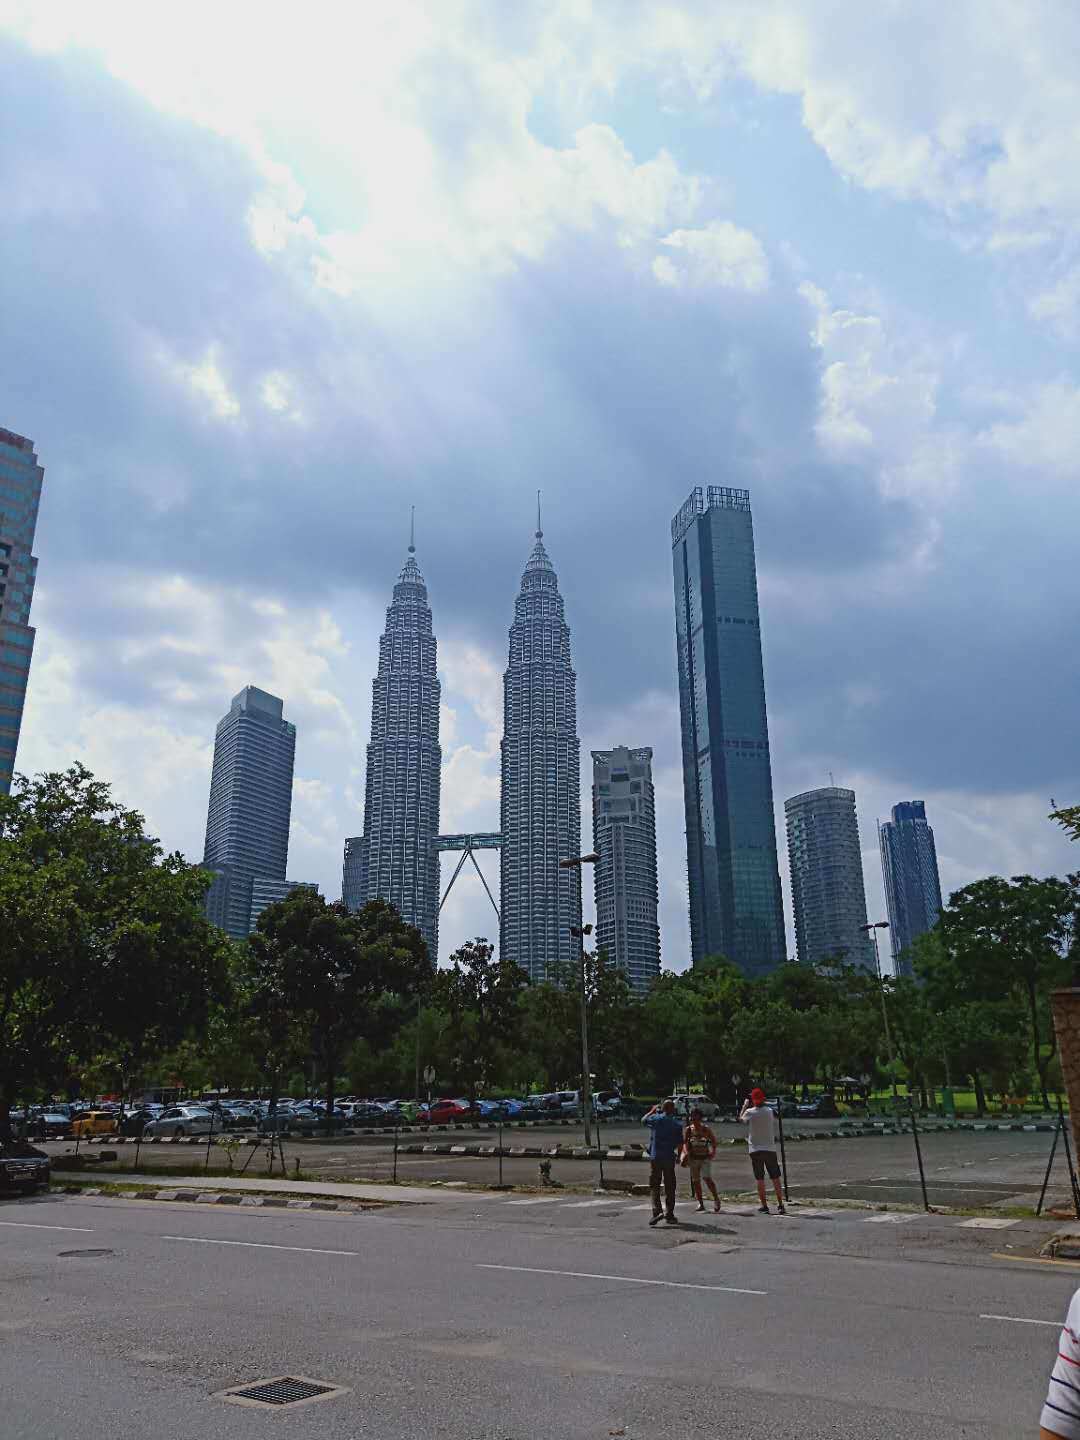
x=1061, y=1413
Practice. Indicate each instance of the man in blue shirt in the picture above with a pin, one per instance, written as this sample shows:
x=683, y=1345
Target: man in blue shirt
x=665, y=1142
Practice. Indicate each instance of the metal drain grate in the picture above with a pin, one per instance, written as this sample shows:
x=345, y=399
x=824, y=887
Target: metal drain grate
x=281, y=1391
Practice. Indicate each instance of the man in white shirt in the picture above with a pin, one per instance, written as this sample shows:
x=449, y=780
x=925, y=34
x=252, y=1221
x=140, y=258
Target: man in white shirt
x=1061, y=1413
x=760, y=1125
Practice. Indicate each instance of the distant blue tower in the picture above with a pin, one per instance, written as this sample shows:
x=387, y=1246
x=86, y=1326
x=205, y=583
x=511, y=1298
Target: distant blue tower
x=734, y=881
x=21, y=479
x=909, y=868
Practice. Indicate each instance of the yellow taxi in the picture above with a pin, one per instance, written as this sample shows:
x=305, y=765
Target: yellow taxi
x=94, y=1122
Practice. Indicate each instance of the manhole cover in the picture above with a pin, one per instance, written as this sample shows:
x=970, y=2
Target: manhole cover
x=65, y=1254
x=282, y=1390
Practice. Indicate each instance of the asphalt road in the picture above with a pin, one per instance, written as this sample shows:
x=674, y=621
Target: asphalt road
x=963, y=1168
x=124, y=1319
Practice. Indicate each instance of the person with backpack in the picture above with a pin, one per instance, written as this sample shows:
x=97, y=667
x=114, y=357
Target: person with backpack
x=760, y=1125
x=699, y=1146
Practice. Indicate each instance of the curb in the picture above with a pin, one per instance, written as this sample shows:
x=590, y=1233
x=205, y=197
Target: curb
x=213, y=1197
x=849, y=1132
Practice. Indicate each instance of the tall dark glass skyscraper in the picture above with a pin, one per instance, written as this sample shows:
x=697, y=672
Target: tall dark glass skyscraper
x=734, y=882
x=827, y=891
x=398, y=861
x=624, y=837
x=247, y=821
x=20, y=494
x=541, y=801
x=910, y=870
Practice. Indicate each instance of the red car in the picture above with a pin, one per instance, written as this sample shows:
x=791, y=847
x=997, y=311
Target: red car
x=449, y=1112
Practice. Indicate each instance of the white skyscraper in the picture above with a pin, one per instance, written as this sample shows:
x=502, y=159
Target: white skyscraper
x=398, y=861
x=624, y=837
x=541, y=801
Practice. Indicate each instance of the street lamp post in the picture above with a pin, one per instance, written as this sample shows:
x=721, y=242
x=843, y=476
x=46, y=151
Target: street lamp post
x=872, y=931
x=581, y=931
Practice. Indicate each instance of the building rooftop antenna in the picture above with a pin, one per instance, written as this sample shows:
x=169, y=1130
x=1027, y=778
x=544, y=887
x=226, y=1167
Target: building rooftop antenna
x=539, y=527
x=832, y=782
x=412, y=529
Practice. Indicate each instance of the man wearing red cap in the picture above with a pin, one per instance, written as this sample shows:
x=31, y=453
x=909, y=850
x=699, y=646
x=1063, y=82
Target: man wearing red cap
x=760, y=1125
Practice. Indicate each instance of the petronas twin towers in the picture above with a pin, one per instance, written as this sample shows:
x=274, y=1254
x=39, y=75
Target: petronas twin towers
x=397, y=858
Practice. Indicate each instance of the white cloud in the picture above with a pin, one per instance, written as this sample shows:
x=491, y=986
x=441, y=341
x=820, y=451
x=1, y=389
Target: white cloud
x=1059, y=305
x=719, y=254
x=1046, y=435
x=277, y=391
x=206, y=381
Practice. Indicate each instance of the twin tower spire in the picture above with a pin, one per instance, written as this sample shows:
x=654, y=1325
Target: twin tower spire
x=397, y=858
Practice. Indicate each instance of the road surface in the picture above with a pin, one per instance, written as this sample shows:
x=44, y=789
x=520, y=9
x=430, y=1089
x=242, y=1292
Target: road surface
x=486, y=1319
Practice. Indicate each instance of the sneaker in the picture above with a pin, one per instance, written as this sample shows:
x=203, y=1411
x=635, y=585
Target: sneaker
x=670, y=1220
x=780, y=1210
x=701, y=1207
x=656, y=1220
x=763, y=1210
x=716, y=1208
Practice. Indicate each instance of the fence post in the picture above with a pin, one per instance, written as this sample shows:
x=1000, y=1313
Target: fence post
x=138, y=1148
x=918, y=1153
x=209, y=1142
x=783, y=1152
x=500, y=1151
x=395, y=1152
x=1068, y=1157
x=1049, y=1165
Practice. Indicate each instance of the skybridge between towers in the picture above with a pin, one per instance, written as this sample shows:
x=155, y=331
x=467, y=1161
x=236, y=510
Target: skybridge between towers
x=466, y=845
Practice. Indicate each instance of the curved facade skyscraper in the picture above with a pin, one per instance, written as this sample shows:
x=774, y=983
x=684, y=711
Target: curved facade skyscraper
x=398, y=861
x=541, y=799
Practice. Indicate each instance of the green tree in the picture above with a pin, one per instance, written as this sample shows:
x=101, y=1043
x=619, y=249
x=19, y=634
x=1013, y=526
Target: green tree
x=104, y=947
x=479, y=996
x=345, y=974
x=1012, y=937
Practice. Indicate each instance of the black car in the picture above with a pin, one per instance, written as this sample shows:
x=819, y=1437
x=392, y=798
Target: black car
x=136, y=1121
x=22, y=1167
x=823, y=1107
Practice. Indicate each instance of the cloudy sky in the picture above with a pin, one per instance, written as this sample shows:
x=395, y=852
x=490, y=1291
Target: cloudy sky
x=271, y=275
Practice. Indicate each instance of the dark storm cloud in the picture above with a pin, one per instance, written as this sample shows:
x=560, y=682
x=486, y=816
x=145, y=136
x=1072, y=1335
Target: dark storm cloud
x=127, y=254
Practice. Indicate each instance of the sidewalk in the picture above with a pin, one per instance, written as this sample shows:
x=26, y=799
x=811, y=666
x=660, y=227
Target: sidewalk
x=311, y=1189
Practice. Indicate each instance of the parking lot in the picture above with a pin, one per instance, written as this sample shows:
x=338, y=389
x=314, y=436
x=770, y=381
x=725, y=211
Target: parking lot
x=964, y=1169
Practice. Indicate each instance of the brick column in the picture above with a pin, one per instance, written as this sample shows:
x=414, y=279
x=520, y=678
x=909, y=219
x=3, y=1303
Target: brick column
x=1066, y=1008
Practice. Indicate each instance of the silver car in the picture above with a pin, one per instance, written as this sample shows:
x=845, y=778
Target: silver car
x=182, y=1120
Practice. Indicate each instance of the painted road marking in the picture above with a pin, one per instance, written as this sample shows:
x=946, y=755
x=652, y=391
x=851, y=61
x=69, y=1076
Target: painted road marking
x=256, y=1245
x=26, y=1225
x=589, y=1204
x=985, y=1223
x=622, y=1279
x=890, y=1218
x=543, y=1200
x=1021, y=1320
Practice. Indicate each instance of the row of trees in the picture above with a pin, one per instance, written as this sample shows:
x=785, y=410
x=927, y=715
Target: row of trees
x=109, y=973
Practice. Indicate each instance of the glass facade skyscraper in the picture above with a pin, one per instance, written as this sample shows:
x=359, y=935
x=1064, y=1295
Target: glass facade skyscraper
x=912, y=886
x=351, y=893
x=247, y=822
x=397, y=860
x=734, y=882
x=827, y=891
x=624, y=837
x=541, y=800
x=20, y=495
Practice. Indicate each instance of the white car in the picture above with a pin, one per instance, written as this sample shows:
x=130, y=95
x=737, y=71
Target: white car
x=684, y=1104
x=183, y=1120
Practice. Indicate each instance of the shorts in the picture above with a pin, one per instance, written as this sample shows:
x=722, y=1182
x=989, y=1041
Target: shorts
x=700, y=1168
x=763, y=1160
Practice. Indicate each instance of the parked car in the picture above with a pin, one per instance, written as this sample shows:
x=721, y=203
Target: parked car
x=136, y=1121
x=182, y=1120
x=22, y=1167
x=94, y=1122
x=685, y=1103
x=823, y=1107
x=783, y=1106
x=49, y=1125
x=240, y=1117
x=449, y=1112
